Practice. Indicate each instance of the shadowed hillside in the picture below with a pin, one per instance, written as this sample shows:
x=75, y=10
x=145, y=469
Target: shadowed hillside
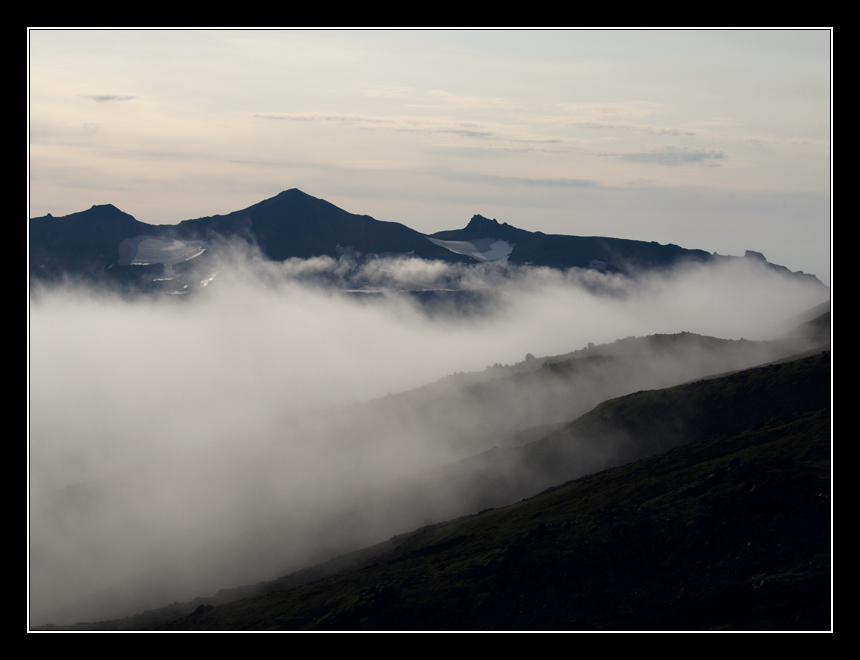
x=730, y=532
x=613, y=433
x=730, y=529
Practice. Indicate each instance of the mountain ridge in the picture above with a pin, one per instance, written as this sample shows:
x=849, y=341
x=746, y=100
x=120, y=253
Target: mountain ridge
x=293, y=224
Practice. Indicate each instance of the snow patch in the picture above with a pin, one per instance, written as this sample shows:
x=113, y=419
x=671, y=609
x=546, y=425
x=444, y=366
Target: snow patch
x=148, y=250
x=480, y=249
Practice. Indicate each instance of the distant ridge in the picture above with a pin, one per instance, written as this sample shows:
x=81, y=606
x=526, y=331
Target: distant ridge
x=559, y=251
x=294, y=224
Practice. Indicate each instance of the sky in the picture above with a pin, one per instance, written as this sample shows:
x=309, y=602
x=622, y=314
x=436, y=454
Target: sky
x=714, y=140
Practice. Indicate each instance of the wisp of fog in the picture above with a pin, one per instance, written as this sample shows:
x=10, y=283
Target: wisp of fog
x=182, y=445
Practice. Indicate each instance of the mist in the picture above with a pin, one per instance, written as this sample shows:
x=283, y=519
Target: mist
x=179, y=445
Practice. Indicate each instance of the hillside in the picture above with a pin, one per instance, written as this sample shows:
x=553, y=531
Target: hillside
x=730, y=529
x=730, y=532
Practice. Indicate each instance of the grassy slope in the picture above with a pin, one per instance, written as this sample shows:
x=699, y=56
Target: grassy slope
x=730, y=532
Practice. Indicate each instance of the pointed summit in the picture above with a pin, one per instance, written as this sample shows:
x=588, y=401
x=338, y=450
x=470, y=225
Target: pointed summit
x=480, y=227
x=295, y=224
x=480, y=222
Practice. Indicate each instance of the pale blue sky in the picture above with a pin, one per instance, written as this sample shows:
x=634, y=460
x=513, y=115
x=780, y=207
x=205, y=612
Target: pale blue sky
x=718, y=140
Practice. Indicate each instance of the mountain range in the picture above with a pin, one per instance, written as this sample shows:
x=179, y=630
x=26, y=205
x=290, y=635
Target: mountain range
x=104, y=242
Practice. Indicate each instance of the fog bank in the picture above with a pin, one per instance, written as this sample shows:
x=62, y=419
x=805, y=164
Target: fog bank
x=178, y=446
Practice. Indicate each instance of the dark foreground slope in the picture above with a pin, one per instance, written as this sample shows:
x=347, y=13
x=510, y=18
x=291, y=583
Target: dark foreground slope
x=731, y=531
x=518, y=448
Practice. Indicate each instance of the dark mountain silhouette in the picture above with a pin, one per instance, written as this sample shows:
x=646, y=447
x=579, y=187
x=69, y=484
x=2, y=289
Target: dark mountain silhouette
x=558, y=251
x=598, y=252
x=84, y=243
x=291, y=224
x=294, y=224
x=481, y=227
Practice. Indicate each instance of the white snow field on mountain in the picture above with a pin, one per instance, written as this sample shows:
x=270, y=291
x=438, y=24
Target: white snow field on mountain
x=480, y=249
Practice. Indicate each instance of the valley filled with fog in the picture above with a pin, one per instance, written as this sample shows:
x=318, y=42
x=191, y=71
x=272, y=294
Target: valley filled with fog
x=288, y=412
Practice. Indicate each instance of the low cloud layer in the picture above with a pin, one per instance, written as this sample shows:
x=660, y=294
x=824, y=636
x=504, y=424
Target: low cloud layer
x=178, y=446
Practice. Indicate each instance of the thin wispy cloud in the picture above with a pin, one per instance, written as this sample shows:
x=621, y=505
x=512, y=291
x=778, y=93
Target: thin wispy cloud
x=448, y=100
x=617, y=117
x=417, y=125
x=675, y=156
x=106, y=98
x=386, y=92
x=435, y=98
x=637, y=128
x=508, y=181
x=598, y=111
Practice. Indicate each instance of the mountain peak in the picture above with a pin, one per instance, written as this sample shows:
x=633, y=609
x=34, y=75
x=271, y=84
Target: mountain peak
x=286, y=195
x=103, y=211
x=292, y=192
x=480, y=222
x=481, y=227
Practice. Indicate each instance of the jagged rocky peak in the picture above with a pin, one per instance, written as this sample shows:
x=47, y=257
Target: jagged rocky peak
x=480, y=222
